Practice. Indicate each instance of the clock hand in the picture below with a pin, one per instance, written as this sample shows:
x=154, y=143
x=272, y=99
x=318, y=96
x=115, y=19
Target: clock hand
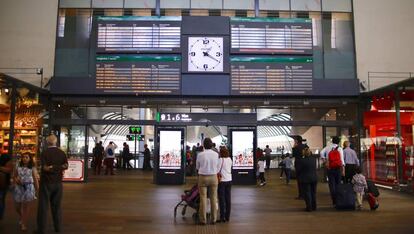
x=210, y=56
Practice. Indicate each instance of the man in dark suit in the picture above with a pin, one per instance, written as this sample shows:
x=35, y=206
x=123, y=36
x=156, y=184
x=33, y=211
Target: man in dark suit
x=308, y=179
x=297, y=154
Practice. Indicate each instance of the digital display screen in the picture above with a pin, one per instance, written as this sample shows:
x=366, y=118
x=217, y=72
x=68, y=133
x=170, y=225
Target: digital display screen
x=271, y=36
x=242, y=149
x=271, y=75
x=170, y=150
x=138, y=34
x=132, y=74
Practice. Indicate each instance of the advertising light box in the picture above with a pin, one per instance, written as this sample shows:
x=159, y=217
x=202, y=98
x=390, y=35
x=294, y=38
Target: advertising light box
x=170, y=150
x=243, y=150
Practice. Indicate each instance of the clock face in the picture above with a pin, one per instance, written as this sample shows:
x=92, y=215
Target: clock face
x=205, y=54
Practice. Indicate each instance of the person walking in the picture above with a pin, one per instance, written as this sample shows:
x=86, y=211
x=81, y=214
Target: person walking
x=126, y=157
x=147, y=158
x=297, y=154
x=308, y=179
x=360, y=186
x=6, y=168
x=351, y=162
x=208, y=165
x=333, y=157
x=267, y=152
x=288, y=165
x=224, y=187
x=110, y=157
x=53, y=162
x=26, y=184
x=98, y=155
x=261, y=170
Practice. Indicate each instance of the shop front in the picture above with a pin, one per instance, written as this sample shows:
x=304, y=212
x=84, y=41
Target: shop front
x=23, y=118
x=388, y=146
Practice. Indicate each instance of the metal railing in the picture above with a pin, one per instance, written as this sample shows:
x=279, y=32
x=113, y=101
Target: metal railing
x=25, y=74
x=380, y=79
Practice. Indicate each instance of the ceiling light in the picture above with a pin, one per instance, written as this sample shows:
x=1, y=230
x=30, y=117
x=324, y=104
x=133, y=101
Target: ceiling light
x=266, y=102
x=143, y=101
x=184, y=102
x=226, y=102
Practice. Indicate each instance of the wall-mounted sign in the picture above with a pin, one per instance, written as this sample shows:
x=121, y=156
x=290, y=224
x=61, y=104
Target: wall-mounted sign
x=75, y=171
x=135, y=129
x=173, y=117
x=137, y=137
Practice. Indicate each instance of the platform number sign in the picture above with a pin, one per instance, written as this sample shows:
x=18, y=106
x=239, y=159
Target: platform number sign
x=135, y=137
x=135, y=130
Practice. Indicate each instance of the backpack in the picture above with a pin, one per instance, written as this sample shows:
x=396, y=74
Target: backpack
x=110, y=152
x=334, y=159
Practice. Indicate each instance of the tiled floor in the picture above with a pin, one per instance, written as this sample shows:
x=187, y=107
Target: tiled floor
x=129, y=203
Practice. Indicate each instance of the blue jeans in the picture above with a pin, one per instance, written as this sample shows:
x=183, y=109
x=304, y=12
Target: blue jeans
x=2, y=202
x=287, y=172
x=334, y=178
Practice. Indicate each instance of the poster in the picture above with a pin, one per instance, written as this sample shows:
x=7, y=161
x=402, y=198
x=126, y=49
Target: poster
x=170, y=149
x=75, y=171
x=242, y=149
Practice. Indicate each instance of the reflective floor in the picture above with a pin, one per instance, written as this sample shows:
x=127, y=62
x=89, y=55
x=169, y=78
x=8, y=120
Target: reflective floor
x=129, y=203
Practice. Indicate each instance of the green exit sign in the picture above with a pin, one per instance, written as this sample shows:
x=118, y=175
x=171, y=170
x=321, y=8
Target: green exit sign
x=137, y=137
x=135, y=129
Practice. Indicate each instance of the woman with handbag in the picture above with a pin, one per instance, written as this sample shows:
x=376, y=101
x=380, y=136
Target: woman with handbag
x=224, y=187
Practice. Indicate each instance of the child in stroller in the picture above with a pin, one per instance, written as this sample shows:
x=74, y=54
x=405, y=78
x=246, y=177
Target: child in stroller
x=190, y=198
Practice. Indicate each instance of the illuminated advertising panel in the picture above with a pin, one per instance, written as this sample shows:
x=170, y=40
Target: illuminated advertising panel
x=170, y=150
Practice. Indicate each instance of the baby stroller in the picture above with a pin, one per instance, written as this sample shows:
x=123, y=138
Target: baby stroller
x=190, y=198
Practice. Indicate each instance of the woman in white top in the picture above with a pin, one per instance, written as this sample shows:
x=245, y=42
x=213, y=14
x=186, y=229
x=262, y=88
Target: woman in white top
x=224, y=188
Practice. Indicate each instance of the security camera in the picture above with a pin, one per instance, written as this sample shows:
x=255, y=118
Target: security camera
x=362, y=86
x=39, y=71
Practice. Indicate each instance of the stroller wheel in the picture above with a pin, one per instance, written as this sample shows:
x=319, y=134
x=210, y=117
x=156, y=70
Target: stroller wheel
x=184, y=210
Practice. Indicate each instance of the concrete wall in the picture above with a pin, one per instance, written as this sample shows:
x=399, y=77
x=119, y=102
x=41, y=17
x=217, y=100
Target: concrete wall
x=27, y=36
x=384, y=34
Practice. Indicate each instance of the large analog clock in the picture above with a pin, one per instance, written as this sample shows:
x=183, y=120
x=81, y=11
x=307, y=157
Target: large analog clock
x=205, y=54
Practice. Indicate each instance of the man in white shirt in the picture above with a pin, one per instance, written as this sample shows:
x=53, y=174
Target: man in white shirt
x=267, y=152
x=208, y=165
x=110, y=157
x=334, y=174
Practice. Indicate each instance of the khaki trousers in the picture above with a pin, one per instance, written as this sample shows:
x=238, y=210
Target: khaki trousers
x=359, y=197
x=210, y=182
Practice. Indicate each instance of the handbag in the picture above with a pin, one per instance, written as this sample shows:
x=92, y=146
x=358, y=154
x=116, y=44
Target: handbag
x=219, y=176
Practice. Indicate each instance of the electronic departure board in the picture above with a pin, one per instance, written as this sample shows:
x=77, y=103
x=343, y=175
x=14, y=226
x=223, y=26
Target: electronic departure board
x=138, y=74
x=271, y=75
x=131, y=34
x=271, y=36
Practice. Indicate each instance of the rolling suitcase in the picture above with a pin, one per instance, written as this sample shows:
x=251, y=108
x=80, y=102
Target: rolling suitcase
x=345, y=197
x=373, y=201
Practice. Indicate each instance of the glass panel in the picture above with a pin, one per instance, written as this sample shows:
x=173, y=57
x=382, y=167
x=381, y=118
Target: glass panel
x=107, y=3
x=239, y=4
x=339, y=46
x=282, y=5
x=75, y=3
x=407, y=129
x=206, y=4
x=72, y=43
x=139, y=3
x=76, y=142
x=179, y=4
x=104, y=112
x=337, y=5
x=305, y=5
x=280, y=141
x=380, y=147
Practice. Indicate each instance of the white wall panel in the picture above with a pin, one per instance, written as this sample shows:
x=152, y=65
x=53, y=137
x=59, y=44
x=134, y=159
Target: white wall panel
x=75, y=4
x=140, y=4
x=107, y=3
x=273, y=5
x=337, y=5
x=306, y=5
x=206, y=4
x=238, y=4
x=384, y=38
x=180, y=4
